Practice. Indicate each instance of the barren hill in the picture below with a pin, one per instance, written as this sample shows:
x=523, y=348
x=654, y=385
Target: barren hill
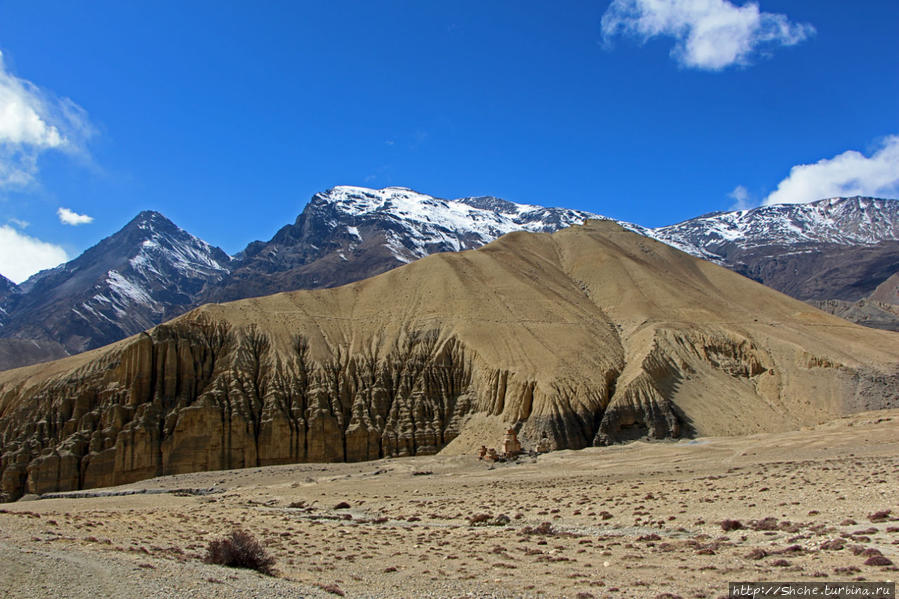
x=591, y=335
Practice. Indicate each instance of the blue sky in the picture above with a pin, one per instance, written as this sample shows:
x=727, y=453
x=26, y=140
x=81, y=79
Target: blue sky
x=228, y=116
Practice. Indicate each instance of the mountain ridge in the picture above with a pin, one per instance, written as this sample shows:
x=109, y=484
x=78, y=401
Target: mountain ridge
x=850, y=220
x=347, y=233
x=832, y=249
x=824, y=251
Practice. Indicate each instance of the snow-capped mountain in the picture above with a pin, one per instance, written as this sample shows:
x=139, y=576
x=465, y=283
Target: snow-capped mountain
x=148, y=271
x=839, y=221
x=423, y=225
x=838, y=248
x=350, y=233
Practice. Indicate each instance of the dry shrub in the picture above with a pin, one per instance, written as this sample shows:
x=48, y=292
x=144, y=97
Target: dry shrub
x=544, y=528
x=488, y=520
x=332, y=588
x=780, y=563
x=479, y=520
x=240, y=550
x=881, y=516
x=728, y=525
x=768, y=523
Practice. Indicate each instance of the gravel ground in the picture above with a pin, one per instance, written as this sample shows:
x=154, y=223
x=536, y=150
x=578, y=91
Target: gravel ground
x=639, y=520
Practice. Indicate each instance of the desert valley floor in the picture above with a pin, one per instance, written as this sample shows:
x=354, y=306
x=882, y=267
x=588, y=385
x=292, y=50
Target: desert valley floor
x=635, y=520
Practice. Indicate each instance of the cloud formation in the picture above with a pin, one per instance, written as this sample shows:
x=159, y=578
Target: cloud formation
x=709, y=34
x=740, y=196
x=70, y=217
x=22, y=256
x=33, y=121
x=848, y=174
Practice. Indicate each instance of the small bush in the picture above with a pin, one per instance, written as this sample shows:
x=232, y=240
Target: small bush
x=768, y=523
x=332, y=588
x=479, y=520
x=544, y=528
x=728, y=525
x=488, y=520
x=757, y=553
x=240, y=550
x=780, y=563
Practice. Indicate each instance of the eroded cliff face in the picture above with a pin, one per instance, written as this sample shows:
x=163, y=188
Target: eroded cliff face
x=644, y=404
x=197, y=395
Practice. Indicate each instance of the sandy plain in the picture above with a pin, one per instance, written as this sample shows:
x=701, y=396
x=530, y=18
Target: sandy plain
x=635, y=520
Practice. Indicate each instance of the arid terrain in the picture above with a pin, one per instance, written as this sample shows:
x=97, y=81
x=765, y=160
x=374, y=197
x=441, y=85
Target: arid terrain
x=590, y=336
x=636, y=520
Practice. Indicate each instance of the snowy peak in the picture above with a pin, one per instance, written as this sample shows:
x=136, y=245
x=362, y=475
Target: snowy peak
x=466, y=213
x=349, y=233
x=841, y=221
x=148, y=271
x=832, y=249
x=418, y=224
x=154, y=239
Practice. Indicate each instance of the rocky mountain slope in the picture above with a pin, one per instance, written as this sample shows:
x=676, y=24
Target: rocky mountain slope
x=347, y=234
x=149, y=271
x=838, y=248
x=888, y=291
x=8, y=292
x=591, y=335
x=879, y=310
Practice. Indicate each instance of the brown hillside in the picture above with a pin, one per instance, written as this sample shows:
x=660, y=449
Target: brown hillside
x=591, y=335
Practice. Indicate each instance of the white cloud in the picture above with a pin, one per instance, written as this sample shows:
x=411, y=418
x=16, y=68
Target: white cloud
x=709, y=34
x=70, y=217
x=740, y=196
x=848, y=174
x=33, y=121
x=21, y=256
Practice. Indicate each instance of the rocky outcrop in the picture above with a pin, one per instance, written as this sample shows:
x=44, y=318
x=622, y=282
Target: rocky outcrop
x=644, y=407
x=199, y=396
x=593, y=335
x=866, y=312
